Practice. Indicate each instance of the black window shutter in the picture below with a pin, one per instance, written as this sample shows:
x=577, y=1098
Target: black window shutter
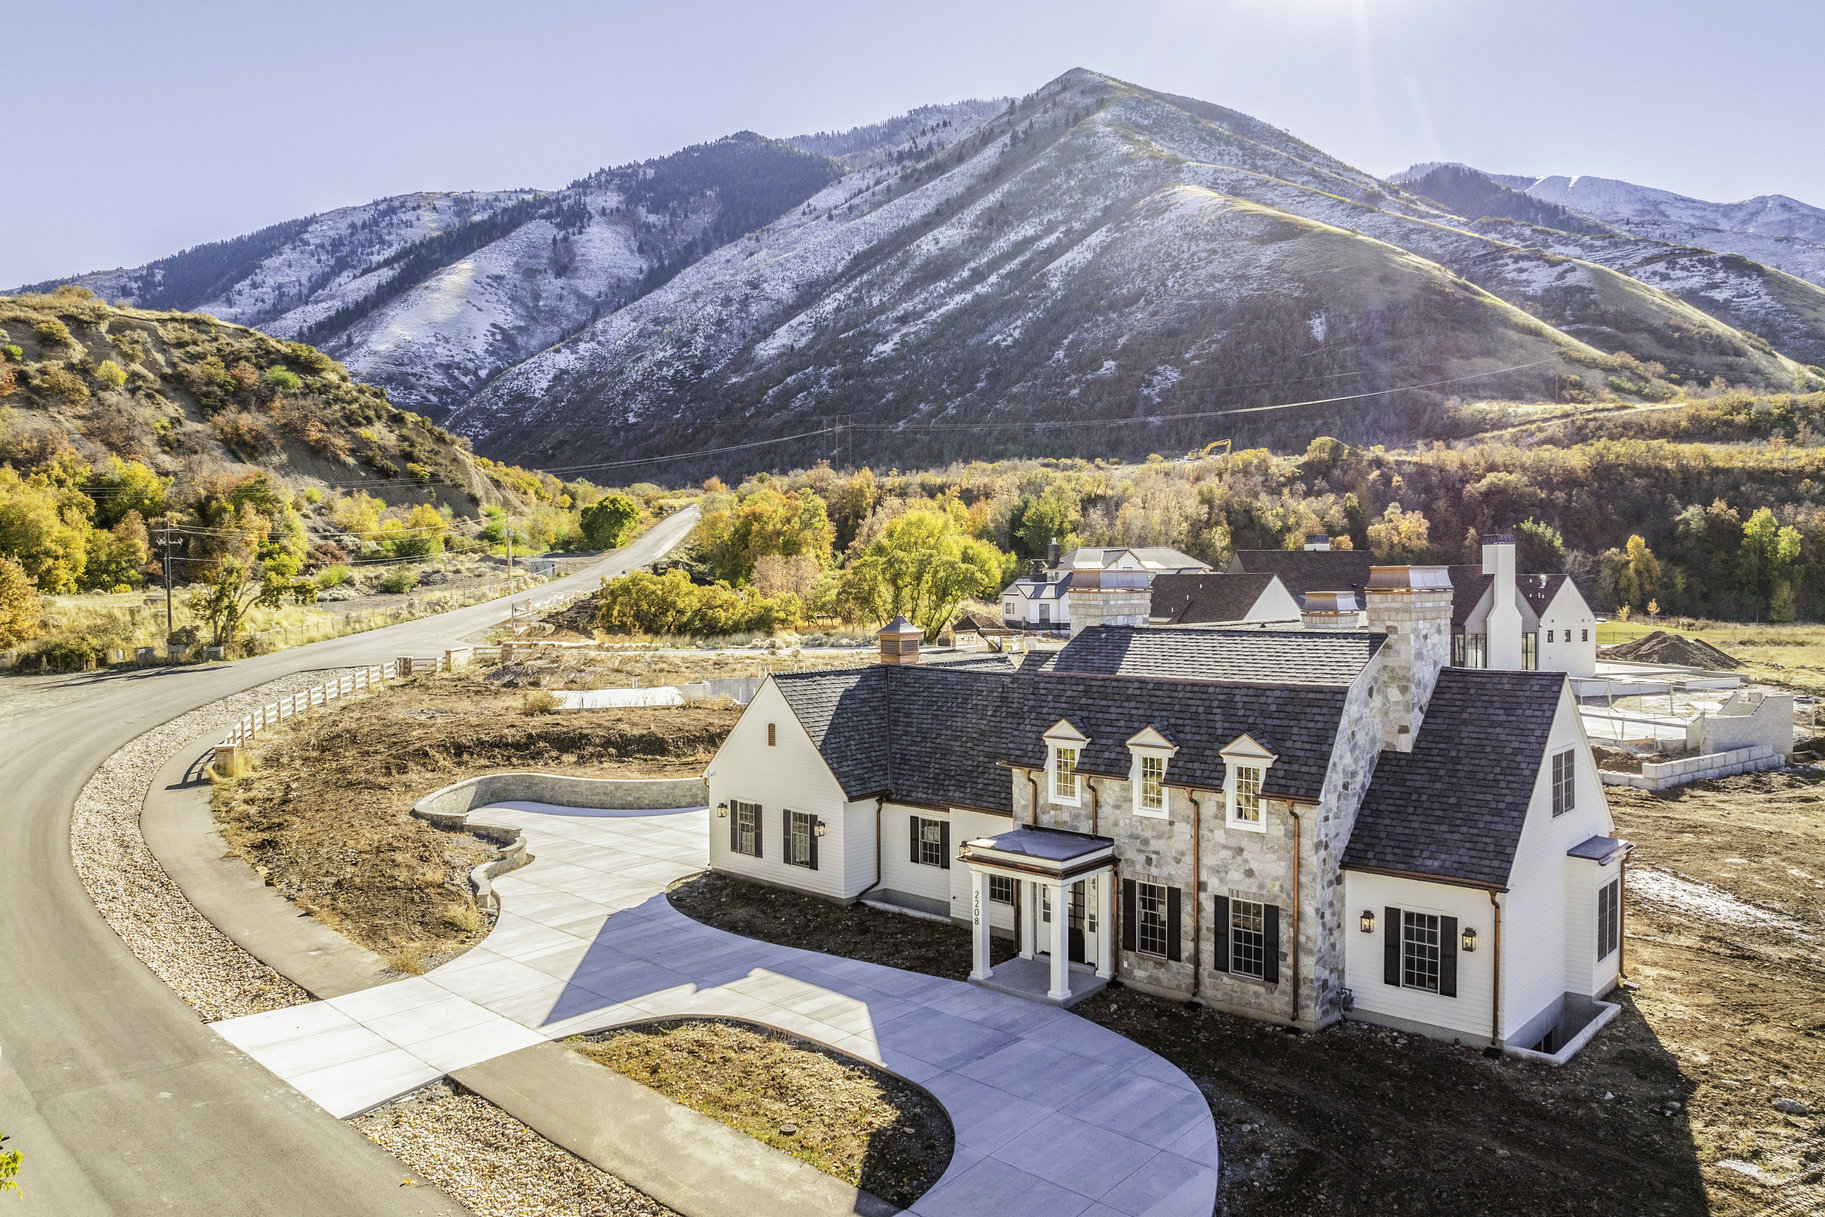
x=1219, y=954
x=734, y=827
x=944, y=843
x=1128, y=904
x=1270, y=943
x=1447, y=956
x=811, y=836
x=1390, y=940
x=1173, y=951
x=914, y=821
x=789, y=850
x=758, y=834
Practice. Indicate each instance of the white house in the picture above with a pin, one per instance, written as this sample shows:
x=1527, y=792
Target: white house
x=1499, y=619
x=1296, y=825
x=1091, y=586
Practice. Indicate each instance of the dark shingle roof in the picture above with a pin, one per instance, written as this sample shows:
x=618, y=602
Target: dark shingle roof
x=1298, y=723
x=1468, y=586
x=1272, y=657
x=1308, y=570
x=1539, y=590
x=1454, y=806
x=924, y=734
x=1191, y=599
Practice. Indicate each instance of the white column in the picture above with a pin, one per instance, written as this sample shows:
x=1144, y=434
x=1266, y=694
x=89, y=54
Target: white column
x=1029, y=918
x=979, y=925
x=1105, y=925
x=1061, y=951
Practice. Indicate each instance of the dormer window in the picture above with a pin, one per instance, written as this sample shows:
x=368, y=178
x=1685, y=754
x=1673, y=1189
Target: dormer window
x=1150, y=752
x=1064, y=749
x=1064, y=773
x=1245, y=765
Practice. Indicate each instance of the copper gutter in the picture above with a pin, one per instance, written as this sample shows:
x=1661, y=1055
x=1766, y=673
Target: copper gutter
x=1197, y=903
x=1495, y=990
x=1294, y=954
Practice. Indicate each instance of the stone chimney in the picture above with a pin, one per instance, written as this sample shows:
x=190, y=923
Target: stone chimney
x=1412, y=606
x=900, y=641
x=1052, y=554
x=1502, y=628
x=1331, y=611
x=1317, y=543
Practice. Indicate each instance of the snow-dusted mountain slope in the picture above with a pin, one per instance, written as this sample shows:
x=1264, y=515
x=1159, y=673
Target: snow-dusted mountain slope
x=1097, y=251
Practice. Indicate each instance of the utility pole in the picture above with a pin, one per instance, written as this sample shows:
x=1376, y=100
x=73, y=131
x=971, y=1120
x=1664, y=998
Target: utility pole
x=513, y=616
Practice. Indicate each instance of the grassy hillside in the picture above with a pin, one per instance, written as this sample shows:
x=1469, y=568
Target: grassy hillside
x=190, y=397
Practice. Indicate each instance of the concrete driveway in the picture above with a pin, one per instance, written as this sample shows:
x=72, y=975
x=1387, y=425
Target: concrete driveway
x=1054, y=1115
x=121, y=1100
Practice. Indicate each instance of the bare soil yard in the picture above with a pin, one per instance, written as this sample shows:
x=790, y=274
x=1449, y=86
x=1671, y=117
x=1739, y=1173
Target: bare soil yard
x=1672, y=1109
x=324, y=814
x=860, y=1124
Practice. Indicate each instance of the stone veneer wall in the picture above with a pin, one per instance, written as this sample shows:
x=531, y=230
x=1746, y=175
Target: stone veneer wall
x=1325, y=920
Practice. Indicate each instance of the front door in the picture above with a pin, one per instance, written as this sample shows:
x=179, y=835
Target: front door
x=1080, y=924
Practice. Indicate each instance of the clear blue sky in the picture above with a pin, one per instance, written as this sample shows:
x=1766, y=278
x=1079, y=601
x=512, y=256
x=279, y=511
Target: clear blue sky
x=140, y=128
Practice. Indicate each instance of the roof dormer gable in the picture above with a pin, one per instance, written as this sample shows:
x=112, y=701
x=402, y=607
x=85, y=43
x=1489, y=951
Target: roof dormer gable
x=1152, y=739
x=1063, y=732
x=1246, y=749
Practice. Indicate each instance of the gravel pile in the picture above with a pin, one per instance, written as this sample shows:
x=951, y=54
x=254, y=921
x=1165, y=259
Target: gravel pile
x=494, y=1164
x=137, y=898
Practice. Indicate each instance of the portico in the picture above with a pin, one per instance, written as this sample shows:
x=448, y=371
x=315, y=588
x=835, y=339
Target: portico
x=1064, y=886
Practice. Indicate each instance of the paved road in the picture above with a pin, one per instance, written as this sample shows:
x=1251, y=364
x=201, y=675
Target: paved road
x=121, y=1100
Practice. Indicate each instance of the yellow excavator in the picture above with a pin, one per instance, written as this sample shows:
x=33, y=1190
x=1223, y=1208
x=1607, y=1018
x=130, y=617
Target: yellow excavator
x=1213, y=445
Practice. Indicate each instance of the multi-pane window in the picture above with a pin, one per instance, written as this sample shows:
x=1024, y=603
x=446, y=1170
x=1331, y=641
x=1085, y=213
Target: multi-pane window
x=1609, y=918
x=1248, y=939
x=1150, y=918
x=1064, y=773
x=1530, y=651
x=1564, y=782
x=1549, y=635
x=931, y=841
x=1467, y=651
x=1419, y=951
x=1248, y=794
x=801, y=839
x=747, y=827
x=1584, y=635
x=1001, y=889
x=1151, y=794
x=772, y=735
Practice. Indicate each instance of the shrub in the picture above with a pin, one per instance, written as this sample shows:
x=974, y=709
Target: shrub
x=399, y=580
x=334, y=576
x=607, y=523
x=16, y=354
x=282, y=380
x=64, y=385
x=643, y=603
x=53, y=333
x=111, y=373
x=540, y=701
x=313, y=495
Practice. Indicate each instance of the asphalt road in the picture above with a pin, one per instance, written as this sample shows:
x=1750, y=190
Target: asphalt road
x=122, y=1101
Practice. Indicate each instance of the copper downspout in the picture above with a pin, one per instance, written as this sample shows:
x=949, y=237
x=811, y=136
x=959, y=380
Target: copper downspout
x=1095, y=803
x=1495, y=990
x=1197, y=901
x=1033, y=811
x=1297, y=824
x=878, y=876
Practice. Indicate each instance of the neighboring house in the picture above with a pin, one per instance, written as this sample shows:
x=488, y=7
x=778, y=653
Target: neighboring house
x=1090, y=586
x=1296, y=825
x=1222, y=599
x=1542, y=622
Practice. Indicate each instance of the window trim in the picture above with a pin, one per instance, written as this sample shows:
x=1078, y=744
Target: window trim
x=1609, y=919
x=1245, y=754
x=1564, y=786
x=937, y=847
x=794, y=819
x=738, y=808
x=1237, y=905
x=1144, y=927
x=1408, y=943
x=1058, y=750
x=996, y=883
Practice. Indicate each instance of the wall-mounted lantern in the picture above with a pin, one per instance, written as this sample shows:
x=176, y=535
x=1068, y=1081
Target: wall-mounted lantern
x=820, y=828
x=1469, y=938
x=722, y=811
x=1368, y=921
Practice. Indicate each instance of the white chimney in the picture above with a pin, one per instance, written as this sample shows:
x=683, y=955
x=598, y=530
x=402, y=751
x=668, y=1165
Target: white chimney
x=1502, y=627
x=1317, y=543
x=1412, y=606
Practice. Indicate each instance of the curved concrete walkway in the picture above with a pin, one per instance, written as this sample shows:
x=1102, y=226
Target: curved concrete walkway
x=1054, y=1115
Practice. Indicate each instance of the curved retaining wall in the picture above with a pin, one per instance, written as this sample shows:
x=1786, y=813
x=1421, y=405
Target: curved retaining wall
x=450, y=808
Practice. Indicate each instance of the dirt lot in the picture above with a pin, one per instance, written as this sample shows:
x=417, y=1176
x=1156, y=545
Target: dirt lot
x=324, y=813
x=862, y=1125
x=569, y=669
x=1670, y=1110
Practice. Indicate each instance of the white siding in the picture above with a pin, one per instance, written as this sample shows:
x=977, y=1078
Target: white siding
x=1274, y=604
x=1549, y=913
x=965, y=826
x=898, y=871
x=789, y=775
x=858, y=846
x=1573, y=627
x=1466, y=1015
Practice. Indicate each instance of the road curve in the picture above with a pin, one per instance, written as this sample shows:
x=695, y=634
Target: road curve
x=122, y=1101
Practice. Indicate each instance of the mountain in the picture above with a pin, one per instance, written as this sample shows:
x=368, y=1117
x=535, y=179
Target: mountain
x=192, y=396
x=997, y=277
x=1098, y=251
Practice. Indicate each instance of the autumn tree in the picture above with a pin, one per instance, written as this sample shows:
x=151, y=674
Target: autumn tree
x=1399, y=535
x=1628, y=577
x=922, y=565
x=19, y=610
x=608, y=522
x=1769, y=559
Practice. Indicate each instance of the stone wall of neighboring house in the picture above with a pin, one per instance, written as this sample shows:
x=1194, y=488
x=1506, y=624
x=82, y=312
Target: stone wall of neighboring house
x=1327, y=829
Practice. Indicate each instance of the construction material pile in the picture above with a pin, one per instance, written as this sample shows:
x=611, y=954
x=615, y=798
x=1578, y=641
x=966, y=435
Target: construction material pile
x=1673, y=649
